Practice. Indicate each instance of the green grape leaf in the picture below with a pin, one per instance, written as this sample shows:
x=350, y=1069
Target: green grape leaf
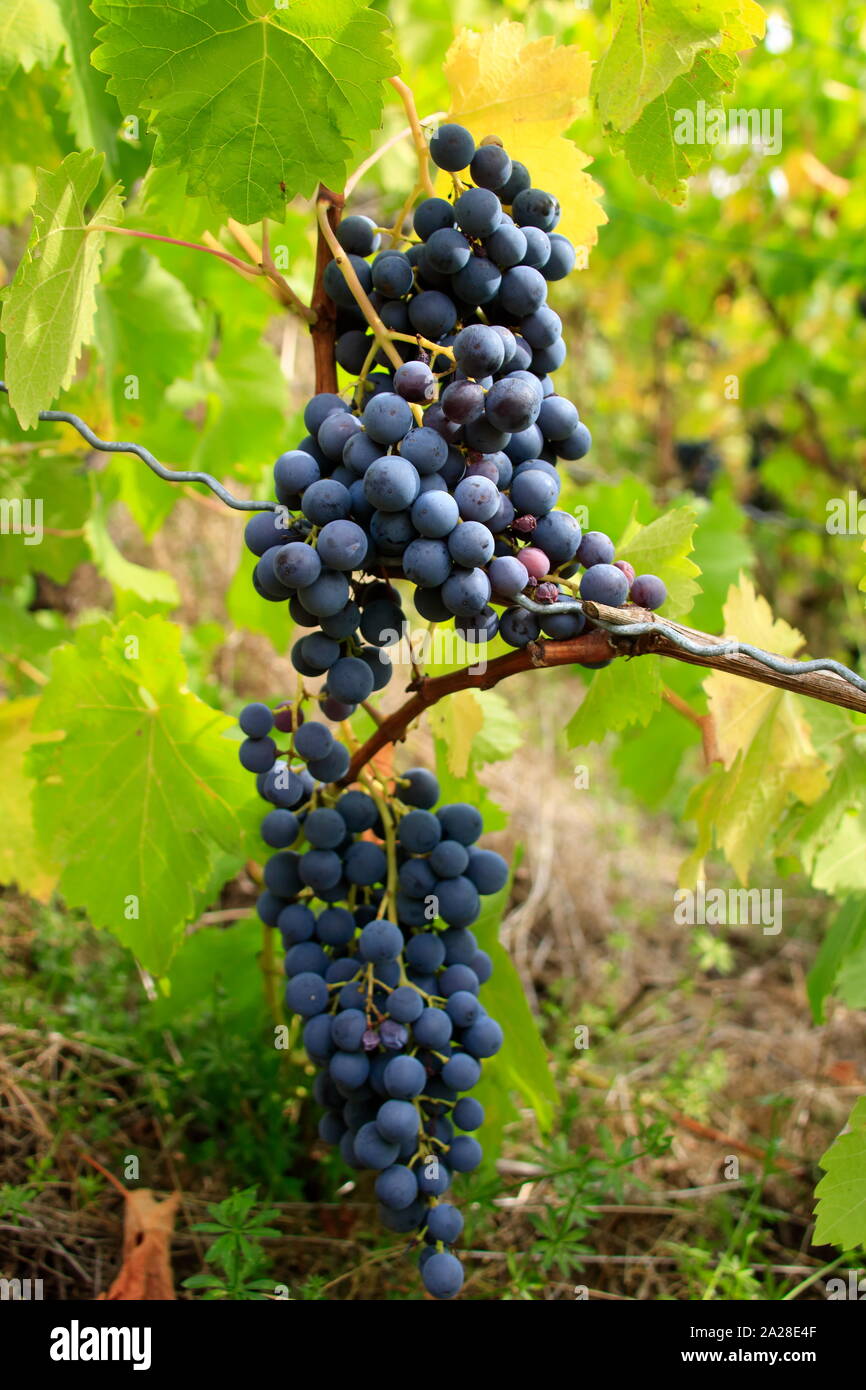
x=93, y=113
x=21, y=860
x=214, y=962
x=620, y=694
x=31, y=34
x=663, y=548
x=522, y=1064
x=28, y=636
x=140, y=790
x=149, y=499
x=653, y=146
x=655, y=42
x=147, y=327
x=48, y=500
x=249, y=97
x=501, y=734
x=647, y=760
x=669, y=61
x=456, y=723
x=841, y=1193
x=832, y=834
x=49, y=309
x=241, y=397
x=133, y=585
x=840, y=965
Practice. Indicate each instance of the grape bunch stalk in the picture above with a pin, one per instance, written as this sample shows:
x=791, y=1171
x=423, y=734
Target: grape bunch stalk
x=436, y=467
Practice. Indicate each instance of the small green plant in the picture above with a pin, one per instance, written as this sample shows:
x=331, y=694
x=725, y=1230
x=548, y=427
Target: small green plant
x=237, y=1252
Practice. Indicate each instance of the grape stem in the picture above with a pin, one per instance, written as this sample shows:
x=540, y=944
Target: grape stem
x=424, y=183
x=592, y=647
x=255, y=267
x=324, y=203
x=703, y=722
x=389, y=898
x=418, y=138
x=324, y=330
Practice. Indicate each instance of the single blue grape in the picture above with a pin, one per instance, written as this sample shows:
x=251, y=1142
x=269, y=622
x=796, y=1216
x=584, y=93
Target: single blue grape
x=533, y=207
x=256, y=720
x=487, y=870
x=478, y=282
x=432, y=314
x=391, y=484
x=461, y=1072
x=468, y=1113
x=371, y=1149
x=435, y=514
x=405, y=1004
x=460, y=821
x=457, y=977
x=484, y=1037
x=342, y=545
x=404, y=1076
x=518, y=628
x=307, y=995
x=444, y=1222
x=561, y=260
x=478, y=212
x=648, y=591
x=397, y=1187
x=365, y=863
x=606, y=584
x=465, y=1154
x=451, y=148
x=479, y=350
x=358, y=235
x=433, y=1029
x=257, y=754
x=425, y=449
x=347, y=1030
x=508, y=577
x=380, y=941
x=523, y=290
x=418, y=831
x=430, y=215
x=398, y=1121
x=427, y=562
x=296, y=923
x=447, y=251
x=448, y=859
x=426, y=951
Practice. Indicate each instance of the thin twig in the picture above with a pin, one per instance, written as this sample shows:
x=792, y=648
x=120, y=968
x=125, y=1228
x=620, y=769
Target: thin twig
x=417, y=135
x=324, y=203
x=324, y=330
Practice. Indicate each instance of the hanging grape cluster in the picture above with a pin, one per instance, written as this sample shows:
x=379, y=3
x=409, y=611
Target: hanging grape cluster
x=373, y=894
x=440, y=471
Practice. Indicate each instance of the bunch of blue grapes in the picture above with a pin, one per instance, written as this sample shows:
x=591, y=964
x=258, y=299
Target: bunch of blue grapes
x=374, y=895
x=442, y=471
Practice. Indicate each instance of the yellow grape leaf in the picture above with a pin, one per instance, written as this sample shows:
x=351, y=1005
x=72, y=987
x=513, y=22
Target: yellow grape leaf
x=764, y=742
x=456, y=721
x=21, y=860
x=527, y=94
x=739, y=707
